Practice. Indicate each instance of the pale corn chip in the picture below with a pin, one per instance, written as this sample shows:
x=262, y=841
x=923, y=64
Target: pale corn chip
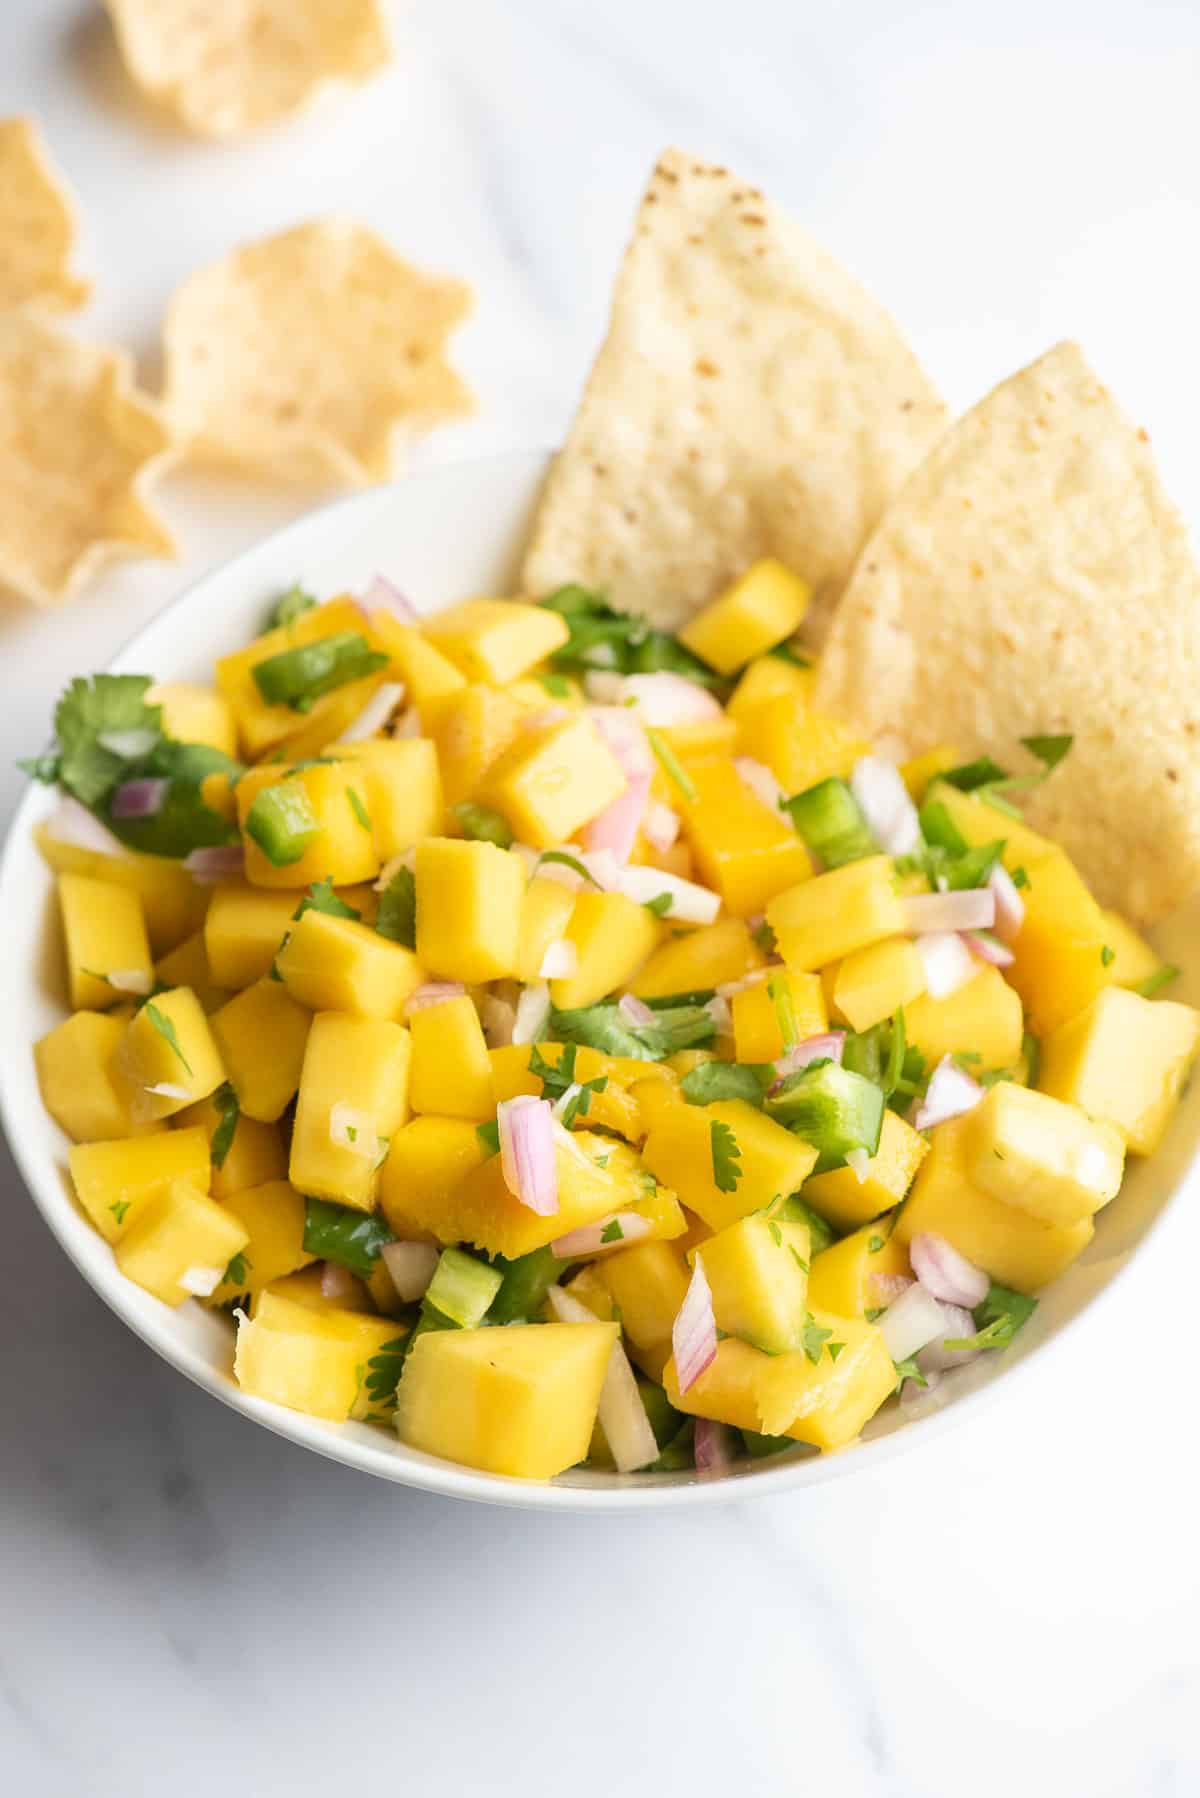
x=1034, y=579
x=37, y=224
x=78, y=448
x=227, y=66
x=302, y=356
x=750, y=400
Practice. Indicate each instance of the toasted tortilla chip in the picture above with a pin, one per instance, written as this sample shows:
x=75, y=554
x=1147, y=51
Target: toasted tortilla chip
x=303, y=356
x=224, y=67
x=750, y=400
x=78, y=449
x=1034, y=579
x=37, y=224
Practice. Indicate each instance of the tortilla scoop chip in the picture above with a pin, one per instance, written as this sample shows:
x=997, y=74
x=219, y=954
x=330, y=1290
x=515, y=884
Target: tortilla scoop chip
x=750, y=400
x=223, y=67
x=302, y=357
x=37, y=224
x=78, y=449
x=1033, y=579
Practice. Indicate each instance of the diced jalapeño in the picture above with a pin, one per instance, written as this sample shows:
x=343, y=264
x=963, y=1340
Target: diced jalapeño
x=833, y=1108
x=296, y=677
x=282, y=822
x=831, y=822
x=463, y=1288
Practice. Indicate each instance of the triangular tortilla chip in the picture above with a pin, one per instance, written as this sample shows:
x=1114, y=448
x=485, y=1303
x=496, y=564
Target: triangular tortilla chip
x=1033, y=579
x=37, y=224
x=750, y=400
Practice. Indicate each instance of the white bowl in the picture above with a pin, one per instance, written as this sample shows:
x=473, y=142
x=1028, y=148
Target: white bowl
x=443, y=535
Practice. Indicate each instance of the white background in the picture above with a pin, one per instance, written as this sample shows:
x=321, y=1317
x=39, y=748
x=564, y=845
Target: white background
x=185, y=1600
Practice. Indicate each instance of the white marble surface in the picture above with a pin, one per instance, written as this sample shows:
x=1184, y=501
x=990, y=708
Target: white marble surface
x=184, y=1599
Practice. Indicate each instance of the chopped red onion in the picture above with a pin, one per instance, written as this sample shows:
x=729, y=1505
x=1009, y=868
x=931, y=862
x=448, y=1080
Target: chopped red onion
x=986, y=947
x=388, y=598
x=168, y=1089
x=616, y=827
x=694, y=1332
x=729, y=988
x=910, y=1321
x=339, y=1284
x=621, y=1412
x=950, y=1093
x=973, y=908
x=139, y=798
x=712, y=1449
x=945, y=1273
x=130, y=980
x=947, y=962
x=912, y=1392
x=589, y=1240
x=634, y=1010
x=375, y=713
x=498, y=1017
x=527, y=1152
x=886, y=805
x=560, y=961
x=219, y=862
x=665, y=700
x=407, y=725
x=957, y=1326
x=411, y=1266
x=201, y=1281
x=722, y=1017
x=886, y=1288
x=763, y=784
x=533, y=1009
x=1010, y=907
x=690, y=904
x=660, y=826
x=128, y=744
x=826, y=1047
x=859, y=1163
x=434, y=992
x=72, y=823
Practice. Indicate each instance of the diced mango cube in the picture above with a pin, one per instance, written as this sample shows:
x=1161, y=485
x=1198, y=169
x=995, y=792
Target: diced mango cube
x=179, y=1244
x=272, y=1216
x=520, y=1401
x=757, y=1036
x=187, y=965
x=612, y=937
x=255, y=1153
x=553, y=778
x=845, y=1200
x=195, y=714
x=1061, y=957
x=260, y=725
x=1123, y=1060
x=82, y=1088
x=168, y=1045
x=343, y=849
x=496, y=640
x=338, y=964
x=451, y=1072
x=403, y=795
x=105, y=933
x=758, y=1272
x=545, y=912
x=243, y=931
x=647, y=1283
x=114, y=1180
x=611, y=1108
x=759, y=609
x=1042, y=1155
x=922, y=769
x=799, y=747
x=835, y=913
x=770, y=677
x=742, y=849
x=262, y=1035
x=873, y=983
x=679, y=1151
x=469, y=899
x=700, y=960
x=172, y=903
x=427, y=674
x=470, y=729
x=353, y=1095
x=979, y=822
x=982, y=1018
x=428, y=1161
x=316, y=1361
x=850, y=1277
x=305, y=1288
x=1133, y=960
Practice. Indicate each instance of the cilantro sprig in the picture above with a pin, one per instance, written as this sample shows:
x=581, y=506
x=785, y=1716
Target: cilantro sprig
x=618, y=642
x=166, y=1029
x=558, y=1079
x=396, y=918
x=726, y=1156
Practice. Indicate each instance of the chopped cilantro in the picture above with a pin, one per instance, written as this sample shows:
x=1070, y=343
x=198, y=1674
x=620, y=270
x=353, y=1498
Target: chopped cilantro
x=226, y=1102
x=166, y=1029
x=1020, y=878
x=1154, y=983
x=396, y=918
x=835, y=1349
x=480, y=824
x=321, y=897
x=1107, y=956
x=874, y=1244
x=488, y=1137
x=612, y=1231
x=603, y=1027
x=660, y=905
x=1002, y=1313
x=558, y=1080
x=567, y=861
x=726, y=1156
x=235, y=1273
x=780, y=994
x=358, y=808
x=764, y=936
x=713, y=1080
x=908, y=1370
x=339, y=1233
x=118, y=1208
x=383, y=1373
x=787, y=652
x=618, y=642
x=776, y=1233
x=289, y=606
x=670, y=763
x=798, y=1258
x=874, y=1312
x=557, y=685
x=813, y=1338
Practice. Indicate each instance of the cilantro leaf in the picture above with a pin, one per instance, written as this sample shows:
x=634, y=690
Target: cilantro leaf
x=166, y=1029
x=338, y=1233
x=612, y=1231
x=1002, y=1313
x=118, y=1208
x=235, y=1274
x=559, y=1079
x=568, y=861
x=813, y=1338
x=480, y=824
x=713, y=1080
x=383, y=1371
x=670, y=763
x=226, y=1102
x=908, y=1370
x=488, y=1136
x=660, y=905
x=726, y=1157
x=89, y=710
x=1048, y=750
x=603, y=1027
x=1154, y=983
x=618, y=642
x=321, y=897
x=396, y=918
x=358, y=808
x=289, y=606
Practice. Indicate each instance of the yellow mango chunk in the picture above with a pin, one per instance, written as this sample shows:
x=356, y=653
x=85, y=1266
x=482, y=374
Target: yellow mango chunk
x=1042, y=1155
x=168, y=1044
x=679, y=1152
x=800, y=748
x=545, y=913
x=711, y=956
x=428, y=1161
x=770, y=677
x=451, y=1072
x=353, y=1095
x=243, y=931
x=520, y=1401
x=338, y=964
x=105, y=933
x=343, y=849
x=427, y=674
x=255, y=1154
x=315, y=732
x=647, y=1283
x=81, y=1086
x=304, y=1288
x=403, y=794
x=846, y=1201
x=700, y=741
x=316, y=1361
x=613, y=1108
x=982, y=1018
x=272, y=1215
x=469, y=899
x=743, y=850
x=172, y=903
x=757, y=1036
x=552, y=779
x=187, y=965
x=114, y=1180
x=612, y=936
x=836, y=913
x=195, y=714
x=470, y=728
x=1133, y=960
x=261, y=726
x=262, y=1035
x=1062, y=959
x=759, y=609
x=921, y=770
x=758, y=1272
x=843, y=1279
x=179, y=1244
x=496, y=640
x=978, y=822
x=873, y=983
x=1016, y=1249
x=1123, y=1060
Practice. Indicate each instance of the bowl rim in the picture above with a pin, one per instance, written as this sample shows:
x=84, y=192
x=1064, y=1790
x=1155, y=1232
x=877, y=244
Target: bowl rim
x=425, y=1472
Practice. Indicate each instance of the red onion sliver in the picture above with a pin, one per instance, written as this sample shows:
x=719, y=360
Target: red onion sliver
x=497, y=1017
x=434, y=992
x=950, y=1093
x=763, y=784
x=690, y=903
x=339, y=1284
x=130, y=980
x=947, y=962
x=957, y=1326
x=988, y=948
x=634, y=1010
x=168, y=1089
x=139, y=798
x=616, y=827
x=912, y=1392
x=713, y=1448
x=910, y=1321
x=859, y=1162
x=885, y=1288
x=1010, y=907
x=389, y=598
x=729, y=988
x=533, y=1009
x=886, y=805
x=665, y=699
x=220, y=862
x=375, y=713
x=411, y=1266
x=660, y=826
x=201, y=1281
x=621, y=1412
x=72, y=823
x=694, y=1332
x=589, y=1238
x=827, y=1047
x=945, y=1273
x=527, y=1152
x=974, y=908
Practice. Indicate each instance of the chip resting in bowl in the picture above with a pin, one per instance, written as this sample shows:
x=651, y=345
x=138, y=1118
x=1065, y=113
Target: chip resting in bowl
x=1032, y=577
x=302, y=357
x=224, y=67
x=79, y=450
x=750, y=400
x=37, y=224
